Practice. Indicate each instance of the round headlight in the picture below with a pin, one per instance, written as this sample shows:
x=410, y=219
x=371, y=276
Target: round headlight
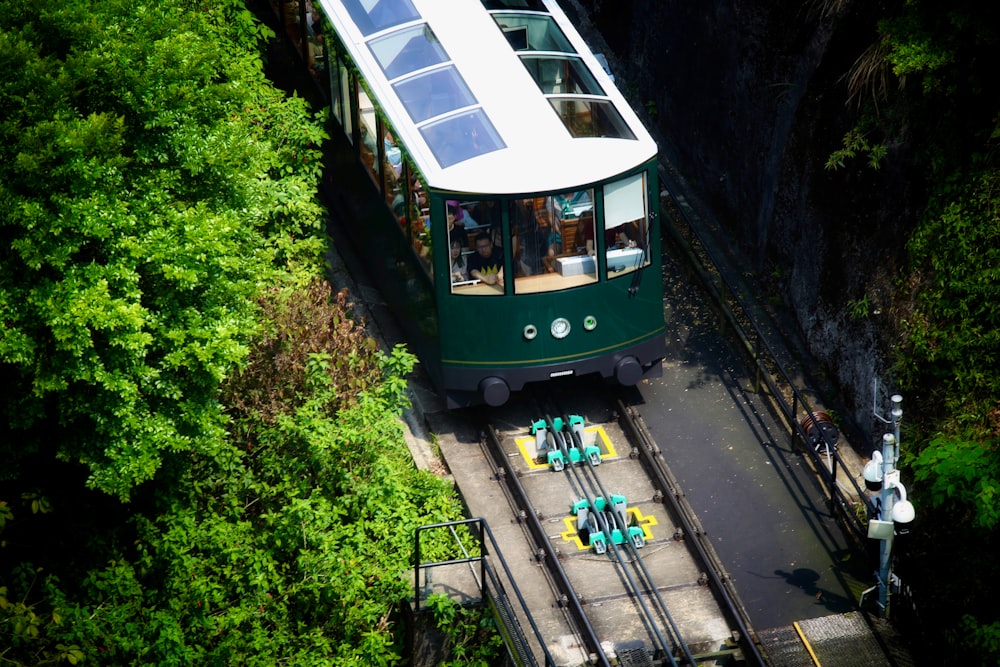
x=590, y=323
x=560, y=327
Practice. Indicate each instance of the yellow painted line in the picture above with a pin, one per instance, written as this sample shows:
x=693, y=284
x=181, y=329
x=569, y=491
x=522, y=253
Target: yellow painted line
x=526, y=445
x=805, y=642
x=571, y=535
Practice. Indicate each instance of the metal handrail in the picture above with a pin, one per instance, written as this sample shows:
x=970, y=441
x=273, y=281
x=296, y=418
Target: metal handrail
x=513, y=633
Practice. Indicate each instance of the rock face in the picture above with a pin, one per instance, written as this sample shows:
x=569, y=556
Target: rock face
x=748, y=101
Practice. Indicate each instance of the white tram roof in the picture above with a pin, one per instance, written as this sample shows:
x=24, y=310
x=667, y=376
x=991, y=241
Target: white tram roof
x=466, y=105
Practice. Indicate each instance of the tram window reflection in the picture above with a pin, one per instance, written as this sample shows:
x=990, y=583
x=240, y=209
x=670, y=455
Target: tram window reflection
x=340, y=86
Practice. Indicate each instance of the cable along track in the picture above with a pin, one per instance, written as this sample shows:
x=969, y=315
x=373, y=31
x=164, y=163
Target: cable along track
x=626, y=561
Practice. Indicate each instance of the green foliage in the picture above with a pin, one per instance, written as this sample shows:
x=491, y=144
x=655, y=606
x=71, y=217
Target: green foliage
x=859, y=309
x=856, y=142
x=986, y=638
x=148, y=187
x=964, y=477
x=953, y=340
x=470, y=632
x=311, y=340
x=943, y=116
x=163, y=338
x=291, y=541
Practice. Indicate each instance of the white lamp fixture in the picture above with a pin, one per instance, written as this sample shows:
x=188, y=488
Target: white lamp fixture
x=902, y=509
x=873, y=469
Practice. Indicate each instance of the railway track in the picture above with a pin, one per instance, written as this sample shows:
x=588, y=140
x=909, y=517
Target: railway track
x=617, y=559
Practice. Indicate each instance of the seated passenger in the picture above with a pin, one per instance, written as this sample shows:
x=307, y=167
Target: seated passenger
x=549, y=220
x=486, y=264
x=622, y=236
x=393, y=155
x=459, y=264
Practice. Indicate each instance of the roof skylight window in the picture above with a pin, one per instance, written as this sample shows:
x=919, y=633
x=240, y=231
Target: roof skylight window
x=528, y=5
x=433, y=93
x=562, y=75
x=372, y=16
x=407, y=50
x=591, y=118
x=462, y=136
x=542, y=33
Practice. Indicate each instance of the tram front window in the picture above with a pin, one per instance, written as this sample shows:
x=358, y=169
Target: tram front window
x=549, y=237
x=475, y=243
x=626, y=228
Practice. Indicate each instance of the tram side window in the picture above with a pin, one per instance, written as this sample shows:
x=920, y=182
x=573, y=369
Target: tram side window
x=626, y=225
x=392, y=166
x=368, y=126
x=414, y=217
x=302, y=24
x=340, y=86
x=317, y=50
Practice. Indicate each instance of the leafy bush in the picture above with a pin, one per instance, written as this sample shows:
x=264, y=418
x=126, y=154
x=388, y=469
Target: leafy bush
x=150, y=181
x=203, y=462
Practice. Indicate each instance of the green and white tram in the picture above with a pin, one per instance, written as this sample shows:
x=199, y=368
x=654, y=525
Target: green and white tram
x=498, y=185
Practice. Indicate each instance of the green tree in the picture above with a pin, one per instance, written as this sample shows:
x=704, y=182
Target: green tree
x=150, y=183
x=944, y=109
x=203, y=461
x=289, y=542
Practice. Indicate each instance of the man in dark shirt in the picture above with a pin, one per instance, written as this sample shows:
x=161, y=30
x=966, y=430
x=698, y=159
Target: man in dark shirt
x=486, y=264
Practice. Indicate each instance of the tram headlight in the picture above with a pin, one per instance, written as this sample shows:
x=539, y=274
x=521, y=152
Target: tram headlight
x=529, y=332
x=560, y=327
x=590, y=323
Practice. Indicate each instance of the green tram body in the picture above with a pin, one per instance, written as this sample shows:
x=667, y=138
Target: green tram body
x=591, y=304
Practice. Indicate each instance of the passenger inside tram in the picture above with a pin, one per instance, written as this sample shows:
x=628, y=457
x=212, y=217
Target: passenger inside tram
x=317, y=56
x=486, y=264
x=393, y=155
x=458, y=220
x=459, y=262
x=625, y=235
x=487, y=214
x=369, y=150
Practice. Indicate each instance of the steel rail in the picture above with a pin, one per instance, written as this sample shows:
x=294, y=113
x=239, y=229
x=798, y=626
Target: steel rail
x=571, y=470
x=631, y=424
x=637, y=561
x=551, y=558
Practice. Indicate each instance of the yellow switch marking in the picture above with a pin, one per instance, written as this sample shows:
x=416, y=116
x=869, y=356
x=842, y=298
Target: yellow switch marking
x=644, y=522
x=591, y=435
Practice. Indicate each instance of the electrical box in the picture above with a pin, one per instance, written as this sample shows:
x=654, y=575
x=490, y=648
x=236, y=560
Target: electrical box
x=880, y=530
